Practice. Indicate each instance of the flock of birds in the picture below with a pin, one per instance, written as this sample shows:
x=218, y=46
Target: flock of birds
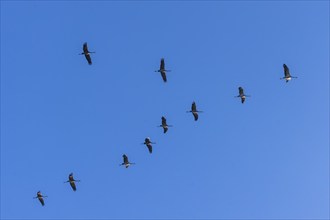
x=287, y=77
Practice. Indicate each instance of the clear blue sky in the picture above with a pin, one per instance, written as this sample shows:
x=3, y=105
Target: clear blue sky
x=266, y=158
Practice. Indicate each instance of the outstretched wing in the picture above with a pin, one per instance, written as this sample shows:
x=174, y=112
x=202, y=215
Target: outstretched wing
x=73, y=185
x=41, y=201
x=193, y=107
x=240, y=91
x=85, y=48
x=88, y=58
x=163, y=76
x=165, y=129
x=71, y=177
x=286, y=70
x=125, y=159
x=162, y=64
x=164, y=121
x=195, y=114
x=149, y=148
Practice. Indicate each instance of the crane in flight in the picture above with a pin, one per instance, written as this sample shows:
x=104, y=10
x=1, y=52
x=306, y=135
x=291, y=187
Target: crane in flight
x=72, y=182
x=87, y=53
x=287, y=75
x=40, y=197
x=126, y=163
x=164, y=125
x=148, y=143
x=194, y=111
x=162, y=70
x=241, y=94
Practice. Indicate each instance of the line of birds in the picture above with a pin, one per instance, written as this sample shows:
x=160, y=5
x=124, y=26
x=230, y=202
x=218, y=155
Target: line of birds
x=147, y=141
x=162, y=70
x=71, y=180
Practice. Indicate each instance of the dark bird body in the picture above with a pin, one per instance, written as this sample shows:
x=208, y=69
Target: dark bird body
x=287, y=75
x=126, y=163
x=87, y=53
x=241, y=94
x=72, y=182
x=194, y=111
x=164, y=125
x=148, y=143
x=162, y=70
x=40, y=197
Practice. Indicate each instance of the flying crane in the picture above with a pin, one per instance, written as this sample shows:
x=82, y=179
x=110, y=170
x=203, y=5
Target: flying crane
x=148, y=143
x=287, y=75
x=40, y=197
x=194, y=111
x=241, y=94
x=87, y=53
x=162, y=70
x=72, y=182
x=164, y=125
x=126, y=163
